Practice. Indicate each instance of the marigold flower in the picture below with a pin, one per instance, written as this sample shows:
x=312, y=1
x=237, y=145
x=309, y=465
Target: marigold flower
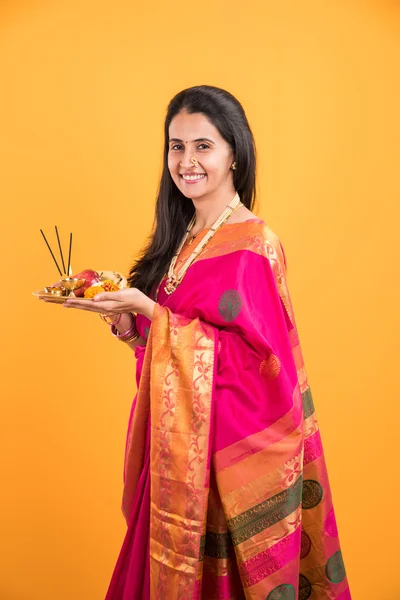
x=93, y=291
x=106, y=286
x=109, y=286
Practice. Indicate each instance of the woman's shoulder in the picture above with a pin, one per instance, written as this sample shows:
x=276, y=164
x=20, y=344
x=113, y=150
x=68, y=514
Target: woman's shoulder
x=252, y=222
x=254, y=228
x=252, y=235
x=256, y=236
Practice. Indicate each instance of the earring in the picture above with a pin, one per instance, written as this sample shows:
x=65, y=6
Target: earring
x=233, y=166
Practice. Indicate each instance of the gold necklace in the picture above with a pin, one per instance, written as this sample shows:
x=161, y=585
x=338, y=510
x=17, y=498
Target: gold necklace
x=195, y=236
x=175, y=279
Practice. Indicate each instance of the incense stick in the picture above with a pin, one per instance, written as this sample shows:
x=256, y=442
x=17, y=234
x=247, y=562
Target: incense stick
x=44, y=237
x=59, y=245
x=69, y=254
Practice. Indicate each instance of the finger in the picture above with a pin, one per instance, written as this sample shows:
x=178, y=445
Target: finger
x=89, y=305
x=85, y=308
x=78, y=303
x=94, y=309
x=82, y=305
x=104, y=296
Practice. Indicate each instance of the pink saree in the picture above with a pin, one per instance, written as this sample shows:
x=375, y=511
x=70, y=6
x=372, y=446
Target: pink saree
x=226, y=493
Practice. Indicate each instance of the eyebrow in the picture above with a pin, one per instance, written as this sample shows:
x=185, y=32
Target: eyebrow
x=197, y=140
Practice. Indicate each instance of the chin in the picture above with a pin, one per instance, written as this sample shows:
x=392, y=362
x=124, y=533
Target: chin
x=199, y=194
x=196, y=190
x=193, y=195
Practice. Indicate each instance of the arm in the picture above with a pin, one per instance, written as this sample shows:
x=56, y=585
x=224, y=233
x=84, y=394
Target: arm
x=124, y=302
x=124, y=324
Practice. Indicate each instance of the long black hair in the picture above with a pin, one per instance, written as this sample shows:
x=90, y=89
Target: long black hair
x=173, y=209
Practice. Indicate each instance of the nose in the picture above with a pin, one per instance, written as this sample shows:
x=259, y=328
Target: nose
x=186, y=162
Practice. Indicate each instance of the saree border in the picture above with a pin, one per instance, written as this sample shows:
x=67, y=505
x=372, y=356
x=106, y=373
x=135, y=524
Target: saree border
x=181, y=391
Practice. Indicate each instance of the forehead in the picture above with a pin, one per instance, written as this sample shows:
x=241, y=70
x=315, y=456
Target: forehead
x=187, y=127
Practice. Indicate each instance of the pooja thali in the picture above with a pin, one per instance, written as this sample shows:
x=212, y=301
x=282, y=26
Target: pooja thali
x=82, y=286
x=69, y=287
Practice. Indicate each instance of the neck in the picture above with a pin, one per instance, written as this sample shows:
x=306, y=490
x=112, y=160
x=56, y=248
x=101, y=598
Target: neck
x=209, y=208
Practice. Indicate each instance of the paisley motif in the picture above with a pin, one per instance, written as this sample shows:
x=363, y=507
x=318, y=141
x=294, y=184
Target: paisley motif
x=335, y=570
x=230, y=305
x=312, y=493
x=270, y=367
x=285, y=591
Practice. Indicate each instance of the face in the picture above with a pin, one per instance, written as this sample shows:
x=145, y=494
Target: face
x=193, y=135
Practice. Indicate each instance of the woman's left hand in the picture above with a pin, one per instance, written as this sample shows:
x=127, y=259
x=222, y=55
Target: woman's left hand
x=114, y=303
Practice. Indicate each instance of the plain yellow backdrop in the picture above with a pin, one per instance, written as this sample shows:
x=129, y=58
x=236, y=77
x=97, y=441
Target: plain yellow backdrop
x=83, y=92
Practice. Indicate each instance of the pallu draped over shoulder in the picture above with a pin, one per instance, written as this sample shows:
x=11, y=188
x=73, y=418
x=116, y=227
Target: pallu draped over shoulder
x=226, y=493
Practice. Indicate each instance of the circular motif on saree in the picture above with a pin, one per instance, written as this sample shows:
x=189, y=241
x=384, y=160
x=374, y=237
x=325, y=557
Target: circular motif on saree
x=270, y=367
x=304, y=588
x=230, y=305
x=285, y=591
x=334, y=569
x=305, y=545
x=312, y=493
x=330, y=524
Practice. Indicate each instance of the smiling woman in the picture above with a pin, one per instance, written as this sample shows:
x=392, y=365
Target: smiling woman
x=226, y=493
x=215, y=156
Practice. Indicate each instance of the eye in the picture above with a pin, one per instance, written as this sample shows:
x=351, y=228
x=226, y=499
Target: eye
x=176, y=147
x=203, y=146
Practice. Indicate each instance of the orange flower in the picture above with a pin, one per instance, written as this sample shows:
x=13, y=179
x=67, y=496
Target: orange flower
x=109, y=286
x=93, y=290
x=106, y=286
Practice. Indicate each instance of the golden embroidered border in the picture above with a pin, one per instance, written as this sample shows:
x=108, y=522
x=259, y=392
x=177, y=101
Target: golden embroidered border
x=181, y=396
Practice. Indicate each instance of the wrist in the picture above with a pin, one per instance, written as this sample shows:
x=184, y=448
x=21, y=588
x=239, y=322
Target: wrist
x=147, y=308
x=125, y=322
x=129, y=333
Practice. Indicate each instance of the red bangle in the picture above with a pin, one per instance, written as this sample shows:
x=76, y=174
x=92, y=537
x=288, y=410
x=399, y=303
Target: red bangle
x=132, y=331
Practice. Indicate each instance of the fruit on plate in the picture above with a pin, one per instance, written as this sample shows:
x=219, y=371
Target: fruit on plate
x=91, y=277
x=111, y=281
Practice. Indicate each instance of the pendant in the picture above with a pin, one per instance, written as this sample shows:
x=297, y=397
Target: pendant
x=173, y=282
x=170, y=285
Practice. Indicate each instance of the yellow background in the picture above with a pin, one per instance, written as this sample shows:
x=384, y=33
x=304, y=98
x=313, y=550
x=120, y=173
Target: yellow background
x=84, y=88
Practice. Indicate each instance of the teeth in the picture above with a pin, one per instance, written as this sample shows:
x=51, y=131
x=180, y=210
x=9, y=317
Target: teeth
x=193, y=177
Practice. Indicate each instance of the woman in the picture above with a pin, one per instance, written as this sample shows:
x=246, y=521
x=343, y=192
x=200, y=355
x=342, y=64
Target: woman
x=226, y=493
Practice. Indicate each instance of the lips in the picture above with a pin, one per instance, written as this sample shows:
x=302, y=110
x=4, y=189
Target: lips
x=192, y=177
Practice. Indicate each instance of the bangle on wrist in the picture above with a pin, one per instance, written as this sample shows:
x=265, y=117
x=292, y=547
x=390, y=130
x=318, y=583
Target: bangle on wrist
x=128, y=334
x=109, y=320
x=133, y=338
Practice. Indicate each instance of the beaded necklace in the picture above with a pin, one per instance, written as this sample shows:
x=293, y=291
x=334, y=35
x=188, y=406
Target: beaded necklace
x=174, y=279
x=193, y=237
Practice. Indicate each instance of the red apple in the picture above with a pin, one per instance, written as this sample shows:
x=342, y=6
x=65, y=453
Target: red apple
x=91, y=277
